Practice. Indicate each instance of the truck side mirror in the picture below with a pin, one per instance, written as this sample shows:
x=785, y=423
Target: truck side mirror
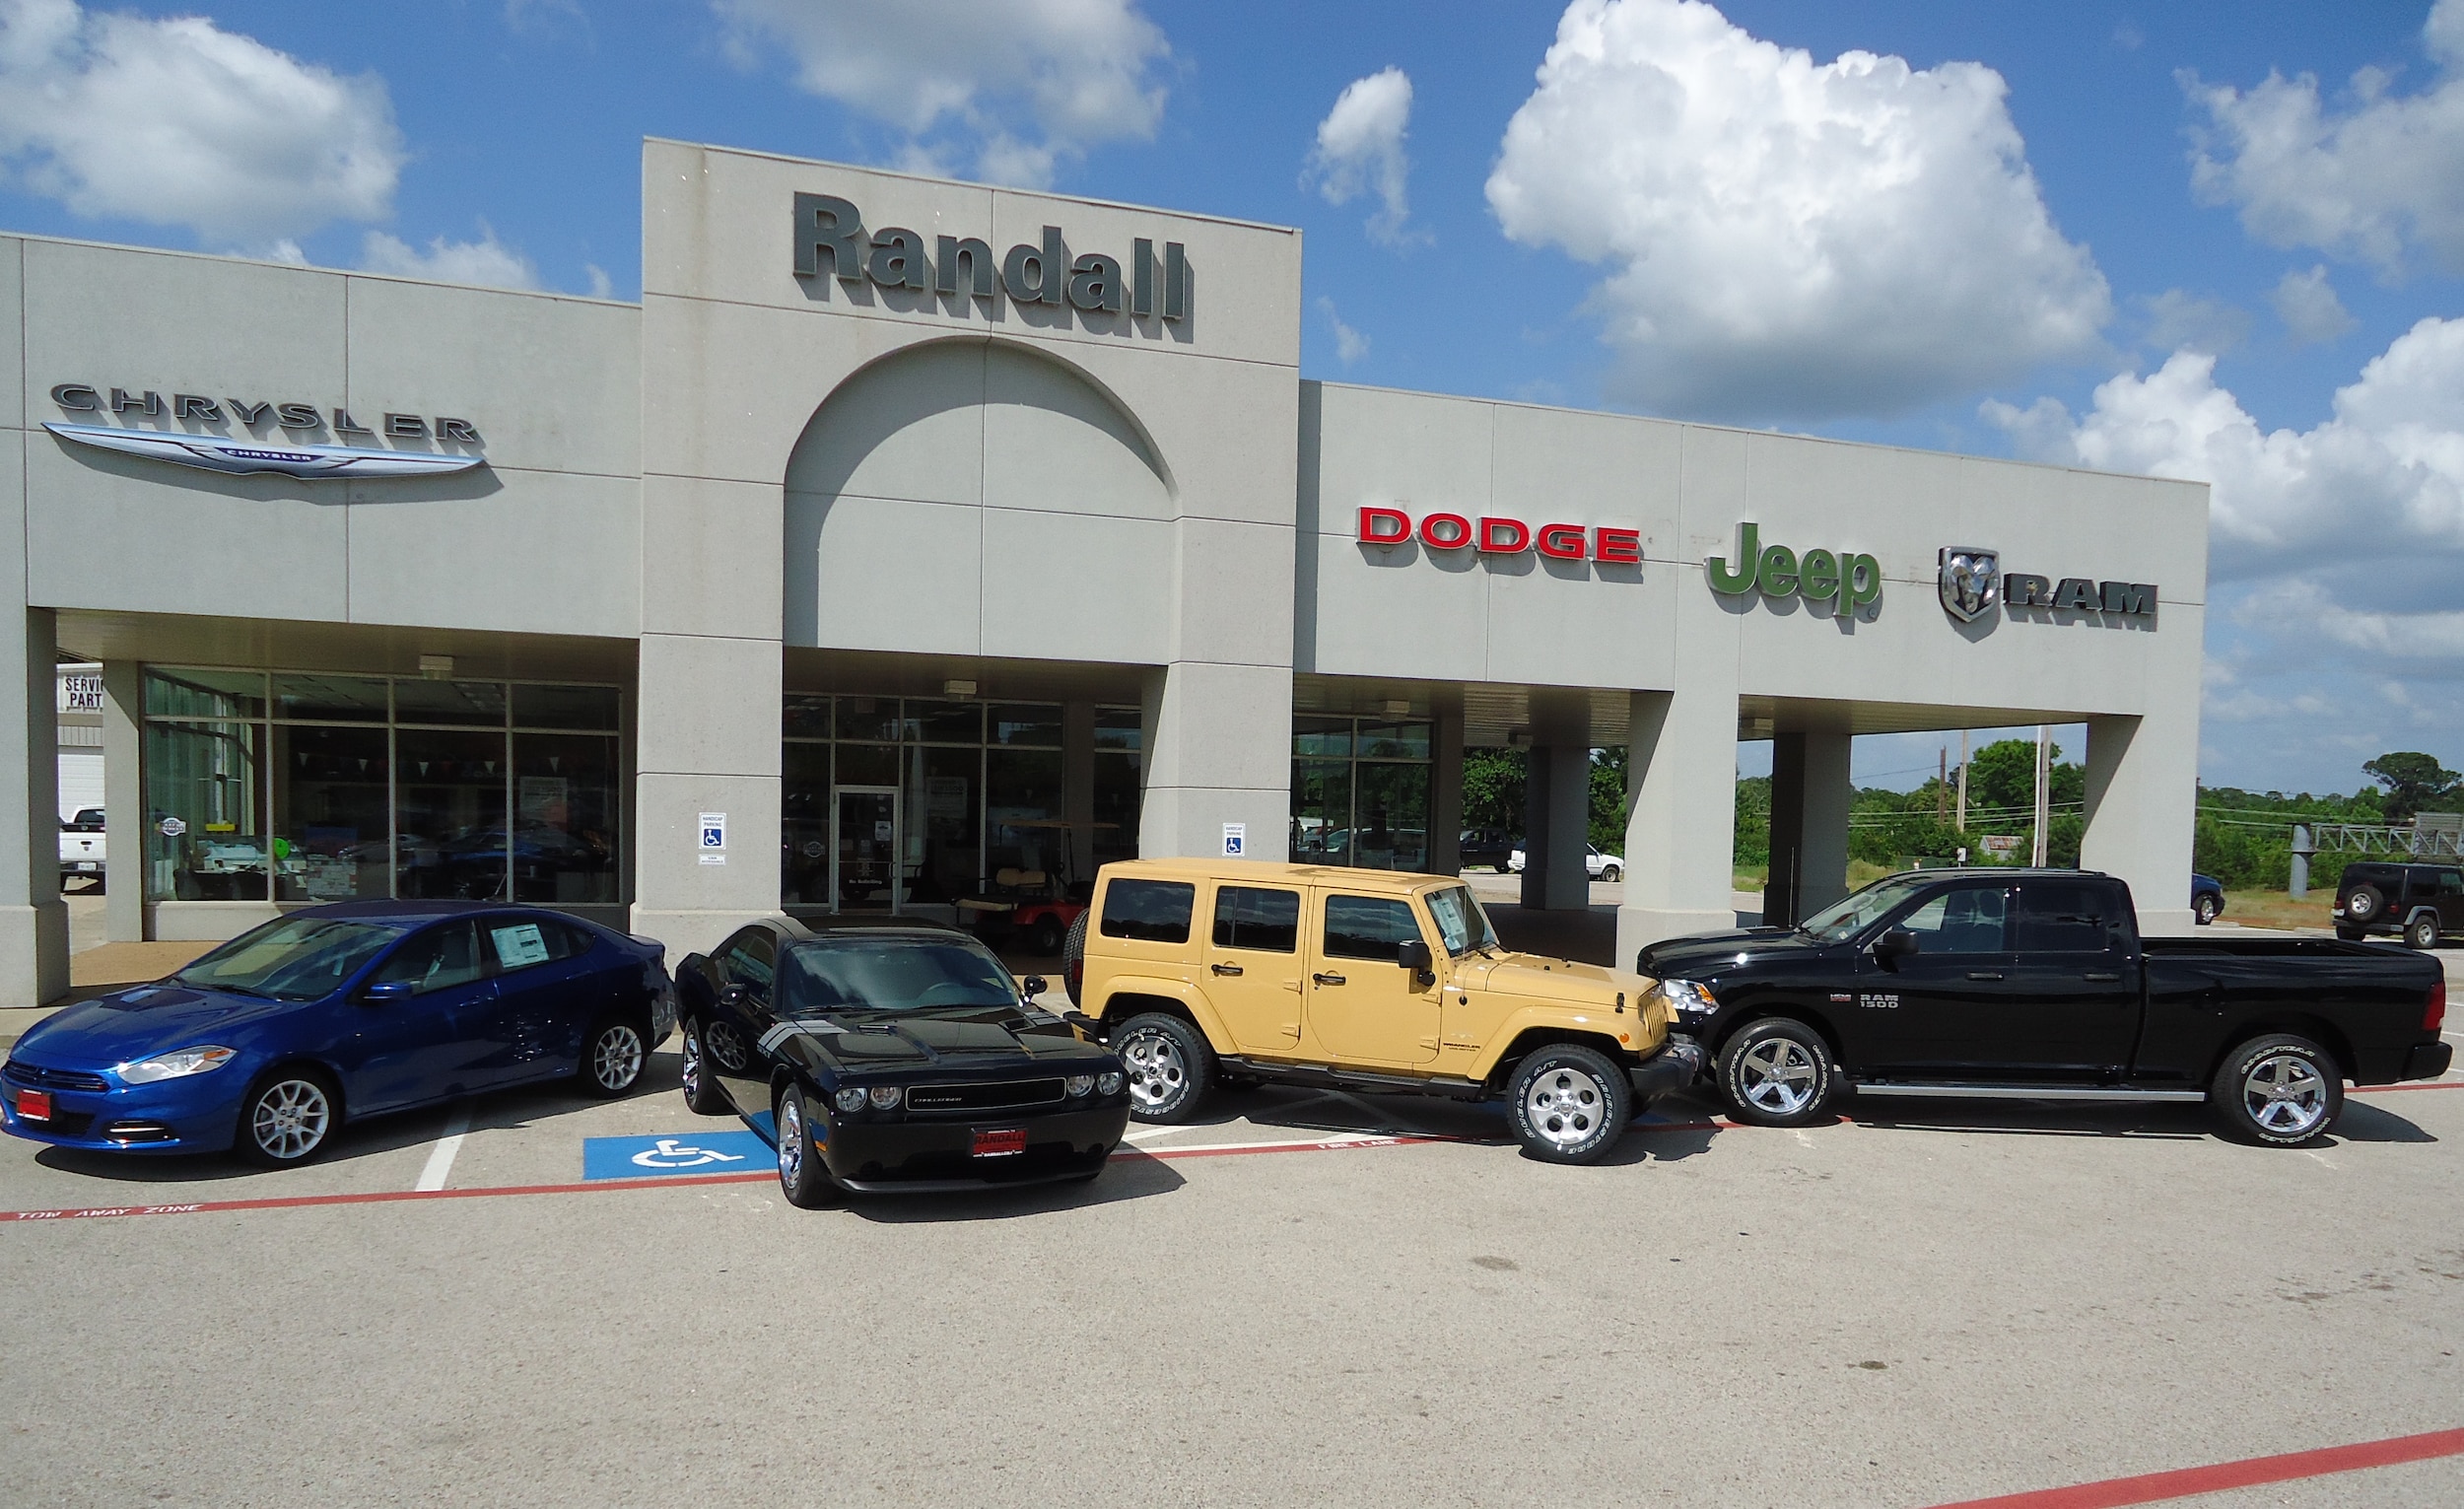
x=1893, y=946
x=1413, y=954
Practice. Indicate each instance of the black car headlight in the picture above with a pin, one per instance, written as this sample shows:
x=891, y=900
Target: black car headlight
x=1078, y=1084
x=884, y=1097
x=1691, y=1003
x=851, y=1098
x=1109, y=1081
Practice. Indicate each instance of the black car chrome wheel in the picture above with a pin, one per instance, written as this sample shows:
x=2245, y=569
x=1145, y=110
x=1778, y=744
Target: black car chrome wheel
x=702, y=1096
x=802, y=1177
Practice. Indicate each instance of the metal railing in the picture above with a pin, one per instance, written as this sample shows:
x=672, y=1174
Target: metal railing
x=2420, y=842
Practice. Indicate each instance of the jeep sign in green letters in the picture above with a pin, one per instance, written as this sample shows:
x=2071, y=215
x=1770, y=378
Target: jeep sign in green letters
x=1841, y=581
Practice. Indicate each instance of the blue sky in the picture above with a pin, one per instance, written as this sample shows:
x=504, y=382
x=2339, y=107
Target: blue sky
x=2104, y=251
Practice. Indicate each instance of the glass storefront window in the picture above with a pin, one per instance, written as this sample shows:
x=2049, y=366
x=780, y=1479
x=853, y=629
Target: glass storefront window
x=333, y=788
x=869, y=718
x=450, y=806
x=1360, y=793
x=1119, y=729
x=1118, y=792
x=1023, y=811
x=1026, y=725
x=804, y=825
x=330, y=699
x=475, y=704
x=947, y=723
x=591, y=708
x=867, y=765
x=205, y=694
x=805, y=717
x=205, y=794
x=943, y=823
x=324, y=795
x=566, y=802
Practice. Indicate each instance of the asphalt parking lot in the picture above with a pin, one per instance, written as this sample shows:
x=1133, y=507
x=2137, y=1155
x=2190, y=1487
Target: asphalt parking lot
x=1312, y=1299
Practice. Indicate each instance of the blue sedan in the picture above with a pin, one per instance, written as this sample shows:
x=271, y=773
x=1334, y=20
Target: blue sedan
x=265, y=1045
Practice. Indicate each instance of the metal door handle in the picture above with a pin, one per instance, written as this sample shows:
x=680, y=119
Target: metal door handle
x=1225, y=969
x=2103, y=975
x=1328, y=979
x=1984, y=974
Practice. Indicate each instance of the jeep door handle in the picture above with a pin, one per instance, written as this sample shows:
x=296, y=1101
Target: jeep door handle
x=1225, y=969
x=1984, y=974
x=2103, y=975
x=1328, y=979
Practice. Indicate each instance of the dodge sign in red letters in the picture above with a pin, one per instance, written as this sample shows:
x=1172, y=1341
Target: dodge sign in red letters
x=1603, y=543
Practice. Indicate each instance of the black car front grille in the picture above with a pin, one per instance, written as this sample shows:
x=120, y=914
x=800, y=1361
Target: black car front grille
x=35, y=1077
x=999, y=1096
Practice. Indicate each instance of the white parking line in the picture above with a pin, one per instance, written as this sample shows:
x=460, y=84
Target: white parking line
x=441, y=1157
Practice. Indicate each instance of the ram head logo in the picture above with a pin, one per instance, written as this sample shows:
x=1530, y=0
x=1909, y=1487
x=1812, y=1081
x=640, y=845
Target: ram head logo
x=1971, y=581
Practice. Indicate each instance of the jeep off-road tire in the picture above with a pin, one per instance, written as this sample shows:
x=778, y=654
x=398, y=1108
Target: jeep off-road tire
x=1169, y=1065
x=1777, y=1071
x=2277, y=1090
x=2422, y=930
x=1568, y=1104
x=1073, y=959
x=2364, y=904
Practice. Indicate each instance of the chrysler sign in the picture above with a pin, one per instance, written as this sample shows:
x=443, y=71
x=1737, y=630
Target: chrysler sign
x=246, y=454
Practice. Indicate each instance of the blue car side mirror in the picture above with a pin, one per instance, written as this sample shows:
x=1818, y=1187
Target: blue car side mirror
x=387, y=989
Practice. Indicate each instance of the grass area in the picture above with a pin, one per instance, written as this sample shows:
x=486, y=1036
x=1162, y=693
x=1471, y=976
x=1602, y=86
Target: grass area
x=2275, y=908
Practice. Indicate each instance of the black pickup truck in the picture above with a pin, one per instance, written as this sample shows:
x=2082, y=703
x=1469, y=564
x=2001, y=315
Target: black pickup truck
x=2036, y=985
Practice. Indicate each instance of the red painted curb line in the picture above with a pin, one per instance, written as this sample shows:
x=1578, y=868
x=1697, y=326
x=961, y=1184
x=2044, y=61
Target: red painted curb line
x=2251, y=1472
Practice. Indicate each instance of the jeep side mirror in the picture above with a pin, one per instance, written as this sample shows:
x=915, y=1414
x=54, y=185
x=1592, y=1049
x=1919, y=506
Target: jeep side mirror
x=1034, y=986
x=1413, y=954
x=387, y=989
x=1893, y=946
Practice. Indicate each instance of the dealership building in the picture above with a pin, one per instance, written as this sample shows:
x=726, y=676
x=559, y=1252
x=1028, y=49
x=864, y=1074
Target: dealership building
x=908, y=534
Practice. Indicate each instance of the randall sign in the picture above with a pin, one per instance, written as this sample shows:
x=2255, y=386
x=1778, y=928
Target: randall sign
x=832, y=230
x=211, y=450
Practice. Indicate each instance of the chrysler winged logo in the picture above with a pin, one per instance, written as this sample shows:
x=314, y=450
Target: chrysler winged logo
x=215, y=452
x=1971, y=581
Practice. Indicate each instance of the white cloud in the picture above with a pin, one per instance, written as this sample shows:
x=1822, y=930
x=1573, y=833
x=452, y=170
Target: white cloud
x=601, y=285
x=1786, y=239
x=1360, y=148
x=1350, y=344
x=2177, y=319
x=1028, y=82
x=2371, y=181
x=178, y=122
x=2307, y=305
x=486, y=262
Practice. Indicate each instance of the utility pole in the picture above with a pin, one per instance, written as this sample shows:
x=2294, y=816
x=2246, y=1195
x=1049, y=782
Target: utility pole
x=1963, y=781
x=2044, y=790
x=1941, y=787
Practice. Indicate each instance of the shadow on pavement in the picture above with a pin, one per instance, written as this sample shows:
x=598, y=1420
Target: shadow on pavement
x=1130, y=1174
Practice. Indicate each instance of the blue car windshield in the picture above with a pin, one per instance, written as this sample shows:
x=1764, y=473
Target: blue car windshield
x=890, y=974
x=298, y=958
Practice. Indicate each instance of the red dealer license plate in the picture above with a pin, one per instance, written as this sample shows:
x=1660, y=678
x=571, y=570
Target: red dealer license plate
x=34, y=1105
x=1000, y=1145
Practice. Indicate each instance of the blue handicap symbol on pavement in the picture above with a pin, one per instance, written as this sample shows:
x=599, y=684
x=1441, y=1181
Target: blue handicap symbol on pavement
x=693, y=1152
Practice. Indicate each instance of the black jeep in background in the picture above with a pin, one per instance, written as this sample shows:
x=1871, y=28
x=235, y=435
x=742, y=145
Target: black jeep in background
x=2417, y=901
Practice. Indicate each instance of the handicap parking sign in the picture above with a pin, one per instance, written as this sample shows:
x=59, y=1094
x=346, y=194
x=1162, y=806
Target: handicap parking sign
x=698, y=1152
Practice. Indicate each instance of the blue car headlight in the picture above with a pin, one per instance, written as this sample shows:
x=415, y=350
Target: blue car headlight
x=176, y=1066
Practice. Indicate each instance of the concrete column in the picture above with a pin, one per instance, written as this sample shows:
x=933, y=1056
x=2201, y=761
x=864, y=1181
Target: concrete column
x=123, y=802
x=712, y=748
x=1219, y=750
x=1809, y=796
x=33, y=921
x=1077, y=785
x=1680, y=834
x=1556, y=807
x=2143, y=785
x=1446, y=788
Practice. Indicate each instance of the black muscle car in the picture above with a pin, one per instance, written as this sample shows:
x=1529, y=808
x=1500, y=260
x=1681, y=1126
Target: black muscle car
x=893, y=1058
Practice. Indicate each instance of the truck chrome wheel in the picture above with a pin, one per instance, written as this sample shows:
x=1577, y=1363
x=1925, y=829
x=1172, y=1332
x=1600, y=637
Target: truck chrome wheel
x=2286, y=1095
x=1159, y=1076
x=1564, y=1106
x=1778, y=1076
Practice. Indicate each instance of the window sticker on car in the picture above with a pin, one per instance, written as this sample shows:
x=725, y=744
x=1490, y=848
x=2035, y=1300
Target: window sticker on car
x=521, y=945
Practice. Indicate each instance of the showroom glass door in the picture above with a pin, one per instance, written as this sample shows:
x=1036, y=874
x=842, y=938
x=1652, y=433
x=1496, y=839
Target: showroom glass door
x=867, y=845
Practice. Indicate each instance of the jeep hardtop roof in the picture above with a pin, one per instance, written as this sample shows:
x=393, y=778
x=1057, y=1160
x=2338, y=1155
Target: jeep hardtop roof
x=1272, y=872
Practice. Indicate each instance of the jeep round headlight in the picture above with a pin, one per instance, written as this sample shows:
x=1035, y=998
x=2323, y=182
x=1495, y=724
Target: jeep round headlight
x=1691, y=1002
x=884, y=1097
x=1078, y=1084
x=174, y=1065
x=1109, y=1081
x=851, y=1098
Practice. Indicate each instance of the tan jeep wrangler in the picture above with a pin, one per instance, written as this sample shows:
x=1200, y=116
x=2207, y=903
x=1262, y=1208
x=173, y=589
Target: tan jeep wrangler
x=1201, y=972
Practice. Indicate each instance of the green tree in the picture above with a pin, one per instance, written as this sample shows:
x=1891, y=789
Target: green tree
x=1607, y=815
x=1753, y=821
x=2413, y=779
x=1493, y=782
